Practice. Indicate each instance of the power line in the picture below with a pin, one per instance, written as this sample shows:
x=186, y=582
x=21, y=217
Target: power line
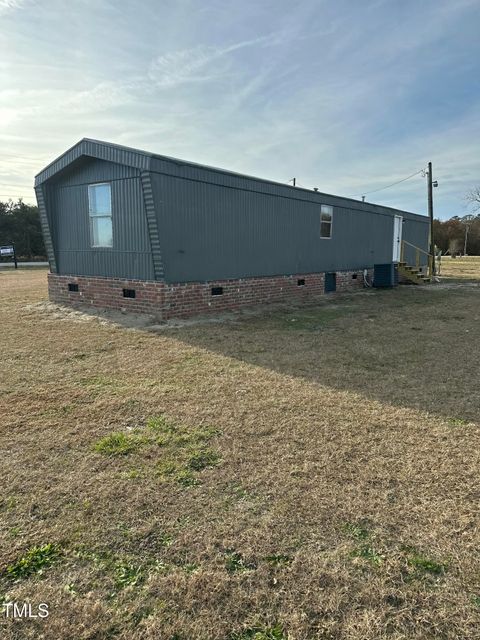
x=364, y=193
x=388, y=186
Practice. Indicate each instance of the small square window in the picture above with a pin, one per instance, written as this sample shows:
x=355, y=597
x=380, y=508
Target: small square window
x=73, y=286
x=301, y=282
x=217, y=291
x=129, y=293
x=326, y=221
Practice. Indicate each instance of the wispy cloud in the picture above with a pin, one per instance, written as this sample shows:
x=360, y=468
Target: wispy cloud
x=10, y=5
x=200, y=63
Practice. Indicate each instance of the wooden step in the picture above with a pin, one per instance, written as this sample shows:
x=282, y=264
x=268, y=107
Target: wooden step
x=413, y=274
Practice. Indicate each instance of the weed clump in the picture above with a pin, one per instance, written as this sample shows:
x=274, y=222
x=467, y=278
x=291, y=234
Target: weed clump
x=423, y=564
x=367, y=553
x=117, y=444
x=356, y=530
x=128, y=574
x=236, y=563
x=278, y=560
x=34, y=561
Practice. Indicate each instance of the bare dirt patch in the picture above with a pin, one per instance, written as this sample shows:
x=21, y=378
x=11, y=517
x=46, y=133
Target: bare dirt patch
x=314, y=474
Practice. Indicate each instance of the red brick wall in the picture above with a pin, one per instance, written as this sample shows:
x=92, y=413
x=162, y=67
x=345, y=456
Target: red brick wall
x=182, y=300
x=107, y=293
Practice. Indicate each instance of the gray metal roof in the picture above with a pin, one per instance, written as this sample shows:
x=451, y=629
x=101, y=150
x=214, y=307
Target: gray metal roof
x=142, y=160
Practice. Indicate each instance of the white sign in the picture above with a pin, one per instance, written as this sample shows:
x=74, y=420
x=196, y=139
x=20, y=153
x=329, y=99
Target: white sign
x=6, y=251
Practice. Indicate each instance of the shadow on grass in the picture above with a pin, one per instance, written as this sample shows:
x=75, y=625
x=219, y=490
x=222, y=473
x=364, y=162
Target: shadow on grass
x=410, y=346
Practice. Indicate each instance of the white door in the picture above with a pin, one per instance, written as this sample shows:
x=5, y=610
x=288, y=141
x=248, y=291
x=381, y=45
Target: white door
x=397, y=238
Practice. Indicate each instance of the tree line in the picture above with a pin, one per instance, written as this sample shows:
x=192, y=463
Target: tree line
x=458, y=235
x=20, y=226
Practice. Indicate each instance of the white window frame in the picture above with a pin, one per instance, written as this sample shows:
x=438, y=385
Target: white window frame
x=91, y=217
x=326, y=209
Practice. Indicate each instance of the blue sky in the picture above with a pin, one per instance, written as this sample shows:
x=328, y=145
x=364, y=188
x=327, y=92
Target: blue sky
x=346, y=96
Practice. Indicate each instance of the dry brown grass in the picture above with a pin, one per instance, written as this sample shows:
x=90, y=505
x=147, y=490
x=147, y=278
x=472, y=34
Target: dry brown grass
x=343, y=505
x=465, y=268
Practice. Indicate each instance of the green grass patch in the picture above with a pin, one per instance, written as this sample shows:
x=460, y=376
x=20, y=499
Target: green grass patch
x=457, y=422
x=186, y=478
x=175, y=471
x=169, y=434
x=34, y=561
x=357, y=531
x=367, y=553
x=118, y=444
x=184, y=450
x=278, y=560
x=202, y=459
x=423, y=564
x=475, y=600
x=123, y=570
x=160, y=424
x=128, y=574
x=236, y=563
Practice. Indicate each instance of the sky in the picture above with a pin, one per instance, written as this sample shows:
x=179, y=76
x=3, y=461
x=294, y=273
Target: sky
x=344, y=95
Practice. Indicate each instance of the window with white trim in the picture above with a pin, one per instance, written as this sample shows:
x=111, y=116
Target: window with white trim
x=326, y=221
x=100, y=214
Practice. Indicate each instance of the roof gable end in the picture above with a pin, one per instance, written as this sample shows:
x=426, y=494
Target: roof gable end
x=95, y=149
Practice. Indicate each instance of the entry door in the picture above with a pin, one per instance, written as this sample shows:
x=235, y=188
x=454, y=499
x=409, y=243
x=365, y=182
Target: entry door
x=397, y=238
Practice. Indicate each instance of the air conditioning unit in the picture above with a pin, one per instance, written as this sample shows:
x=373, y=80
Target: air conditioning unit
x=385, y=275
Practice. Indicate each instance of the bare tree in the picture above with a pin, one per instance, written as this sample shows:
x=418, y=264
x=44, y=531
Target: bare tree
x=473, y=198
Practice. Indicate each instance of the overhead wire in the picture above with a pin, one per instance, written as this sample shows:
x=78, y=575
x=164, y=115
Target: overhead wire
x=365, y=193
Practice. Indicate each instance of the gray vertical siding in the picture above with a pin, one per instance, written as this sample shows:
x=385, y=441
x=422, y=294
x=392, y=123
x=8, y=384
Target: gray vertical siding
x=416, y=232
x=131, y=255
x=186, y=222
x=212, y=231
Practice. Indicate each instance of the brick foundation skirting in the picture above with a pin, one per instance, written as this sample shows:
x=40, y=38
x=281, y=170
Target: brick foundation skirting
x=182, y=300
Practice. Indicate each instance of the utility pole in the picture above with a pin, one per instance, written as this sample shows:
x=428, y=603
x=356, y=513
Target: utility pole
x=430, y=215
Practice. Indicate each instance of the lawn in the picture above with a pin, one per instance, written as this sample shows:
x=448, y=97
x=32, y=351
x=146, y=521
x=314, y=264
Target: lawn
x=301, y=473
x=466, y=268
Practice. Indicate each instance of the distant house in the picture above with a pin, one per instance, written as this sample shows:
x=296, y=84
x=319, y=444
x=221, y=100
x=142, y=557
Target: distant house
x=134, y=230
